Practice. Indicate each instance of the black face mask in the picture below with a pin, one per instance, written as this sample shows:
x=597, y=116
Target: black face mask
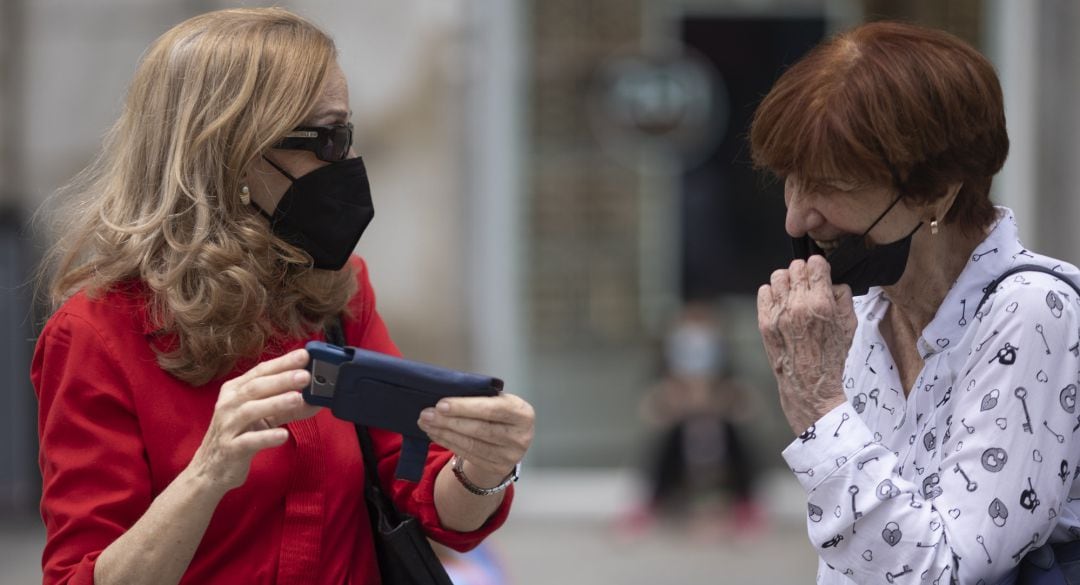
x=324, y=212
x=859, y=264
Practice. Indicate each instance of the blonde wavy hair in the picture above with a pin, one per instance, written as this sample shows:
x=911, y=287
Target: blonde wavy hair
x=161, y=203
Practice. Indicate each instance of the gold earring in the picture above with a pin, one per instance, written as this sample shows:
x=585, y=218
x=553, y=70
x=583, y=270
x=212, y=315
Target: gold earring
x=245, y=195
x=933, y=226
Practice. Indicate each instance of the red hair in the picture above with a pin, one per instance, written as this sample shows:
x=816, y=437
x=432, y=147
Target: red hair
x=892, y=103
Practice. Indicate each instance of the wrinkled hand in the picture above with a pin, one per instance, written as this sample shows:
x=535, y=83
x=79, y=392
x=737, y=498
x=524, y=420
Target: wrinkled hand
x=247, y=417
x=491, y=434
x=807, y=324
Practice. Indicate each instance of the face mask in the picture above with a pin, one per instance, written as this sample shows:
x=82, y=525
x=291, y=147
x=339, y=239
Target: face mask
x=860, y=265
x=325, y=212
x=694, y=350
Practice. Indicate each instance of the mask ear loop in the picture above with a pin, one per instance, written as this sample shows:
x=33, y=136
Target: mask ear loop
x=262, y=211
x=900, y=194
x=893, y=204
x=882, y=216
x=279, y=169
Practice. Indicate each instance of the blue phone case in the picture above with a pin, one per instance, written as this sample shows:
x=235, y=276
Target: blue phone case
x=386, y=392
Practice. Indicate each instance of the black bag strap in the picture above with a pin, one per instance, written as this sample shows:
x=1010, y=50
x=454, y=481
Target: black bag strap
x=335, y=334
x=993, y=286
x=404, y=554
x=374, y=494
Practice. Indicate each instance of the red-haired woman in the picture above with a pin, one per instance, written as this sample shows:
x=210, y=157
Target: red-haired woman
x=936, y=410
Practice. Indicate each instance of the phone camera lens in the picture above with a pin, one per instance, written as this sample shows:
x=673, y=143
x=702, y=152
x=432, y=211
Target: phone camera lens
x=320, y=380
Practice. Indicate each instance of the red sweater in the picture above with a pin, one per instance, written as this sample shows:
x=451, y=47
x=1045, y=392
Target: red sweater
x=115, y=430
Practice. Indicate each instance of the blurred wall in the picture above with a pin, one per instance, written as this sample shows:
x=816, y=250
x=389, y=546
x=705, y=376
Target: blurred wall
x=1056, y=140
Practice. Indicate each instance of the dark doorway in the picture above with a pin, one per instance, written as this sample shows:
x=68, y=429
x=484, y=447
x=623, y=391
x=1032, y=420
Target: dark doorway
x=733, y=217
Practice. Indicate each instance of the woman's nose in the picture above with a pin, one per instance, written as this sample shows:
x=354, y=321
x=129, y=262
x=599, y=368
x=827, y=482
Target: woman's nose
x=801, y=216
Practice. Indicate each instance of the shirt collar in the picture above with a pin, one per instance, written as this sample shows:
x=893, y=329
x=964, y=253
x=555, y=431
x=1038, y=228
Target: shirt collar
x=994, y=255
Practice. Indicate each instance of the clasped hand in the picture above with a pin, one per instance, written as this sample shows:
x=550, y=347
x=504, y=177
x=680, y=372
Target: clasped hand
x=807, y=325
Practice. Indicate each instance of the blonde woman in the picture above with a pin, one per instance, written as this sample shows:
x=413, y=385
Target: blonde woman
x=210, y=240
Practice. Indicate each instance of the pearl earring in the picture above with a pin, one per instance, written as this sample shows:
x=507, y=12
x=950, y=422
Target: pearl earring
x=933, y=226
x=245, y=195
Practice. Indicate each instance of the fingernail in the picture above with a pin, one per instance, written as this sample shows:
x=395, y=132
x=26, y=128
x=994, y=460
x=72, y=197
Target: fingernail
x=427, y=414
x=299, y=377
x=443, y=406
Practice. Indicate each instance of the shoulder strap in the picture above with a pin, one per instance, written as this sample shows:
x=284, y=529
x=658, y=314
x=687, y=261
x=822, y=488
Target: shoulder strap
x=378, y=499
x=993, y=286
x=335, y=334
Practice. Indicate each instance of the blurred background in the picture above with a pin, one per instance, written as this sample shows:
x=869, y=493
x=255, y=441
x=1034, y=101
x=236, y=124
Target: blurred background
x=564, y=200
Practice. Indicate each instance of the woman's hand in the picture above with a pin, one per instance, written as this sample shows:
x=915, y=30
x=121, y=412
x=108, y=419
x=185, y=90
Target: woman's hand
x=247, y=417
x=807, y=324
x=491, y=434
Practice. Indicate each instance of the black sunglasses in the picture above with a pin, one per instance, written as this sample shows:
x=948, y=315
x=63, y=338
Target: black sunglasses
x=329, y=143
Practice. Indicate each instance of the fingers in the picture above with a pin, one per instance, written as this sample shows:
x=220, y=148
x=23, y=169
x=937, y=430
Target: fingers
x=301, y=412
x=252, y=442
x=800, y=276
x=493, y=457
x=270, y=384
x=472, y=449
x=765, y=304
x=813, y=276
x=505, y=408
x=294, y=360
x=780, y=283
x=488, y=432
x=493, y=432
x=767, y=319
x=797, y=276
x=265, y=396
x=819, y=274
x=274, y=411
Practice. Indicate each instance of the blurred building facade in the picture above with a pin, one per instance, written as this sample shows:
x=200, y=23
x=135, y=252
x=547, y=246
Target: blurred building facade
x=535, y=221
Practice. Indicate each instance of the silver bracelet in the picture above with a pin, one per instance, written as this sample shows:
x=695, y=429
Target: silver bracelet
x=458, y=465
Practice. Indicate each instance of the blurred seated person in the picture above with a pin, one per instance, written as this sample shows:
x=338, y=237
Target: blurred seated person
x=694, y=409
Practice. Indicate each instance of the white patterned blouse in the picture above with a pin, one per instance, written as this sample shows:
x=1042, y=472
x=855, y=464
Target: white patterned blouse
x=976, y=464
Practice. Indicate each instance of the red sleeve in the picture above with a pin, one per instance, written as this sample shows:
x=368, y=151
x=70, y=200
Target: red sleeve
x=96, y=481
x=417, y=499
